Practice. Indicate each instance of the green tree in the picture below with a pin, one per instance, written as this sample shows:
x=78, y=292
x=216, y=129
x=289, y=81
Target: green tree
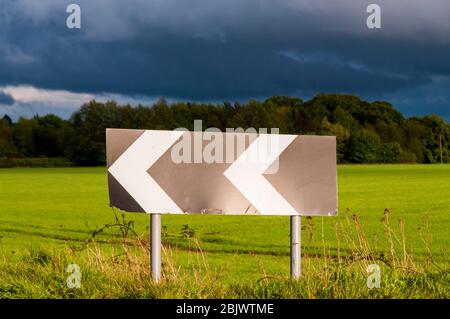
x=7, y=147
x=363, y=147
x=342, y=136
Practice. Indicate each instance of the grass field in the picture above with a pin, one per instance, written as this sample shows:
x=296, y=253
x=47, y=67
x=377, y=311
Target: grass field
x=52, y=210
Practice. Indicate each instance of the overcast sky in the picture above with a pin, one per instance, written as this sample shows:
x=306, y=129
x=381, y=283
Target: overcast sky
x=213, y=50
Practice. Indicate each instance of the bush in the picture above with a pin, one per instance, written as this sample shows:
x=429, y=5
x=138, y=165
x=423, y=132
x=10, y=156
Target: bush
x=35, y=162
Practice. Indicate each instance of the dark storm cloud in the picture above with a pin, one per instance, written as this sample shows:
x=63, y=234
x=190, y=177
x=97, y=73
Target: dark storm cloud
x=214, y=50
x=6, y=99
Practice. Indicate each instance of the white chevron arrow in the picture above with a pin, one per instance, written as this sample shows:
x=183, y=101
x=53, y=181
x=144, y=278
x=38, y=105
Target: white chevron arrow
x=130, y=170
x=246, y=174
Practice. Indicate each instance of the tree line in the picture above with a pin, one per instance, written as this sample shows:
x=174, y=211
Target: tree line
x=366, y=132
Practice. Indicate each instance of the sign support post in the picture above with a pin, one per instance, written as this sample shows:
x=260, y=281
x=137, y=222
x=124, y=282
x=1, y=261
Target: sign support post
x=155, y=242
x=295, y=247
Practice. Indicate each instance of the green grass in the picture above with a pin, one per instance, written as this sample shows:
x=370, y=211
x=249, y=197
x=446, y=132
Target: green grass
x=42, y=274
x=54, y=209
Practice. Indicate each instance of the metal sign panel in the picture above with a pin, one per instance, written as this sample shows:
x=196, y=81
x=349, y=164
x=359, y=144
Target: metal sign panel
x=221, y=173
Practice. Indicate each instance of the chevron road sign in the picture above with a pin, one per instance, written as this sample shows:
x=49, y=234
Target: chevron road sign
x=160, y=172
x=211, y=172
